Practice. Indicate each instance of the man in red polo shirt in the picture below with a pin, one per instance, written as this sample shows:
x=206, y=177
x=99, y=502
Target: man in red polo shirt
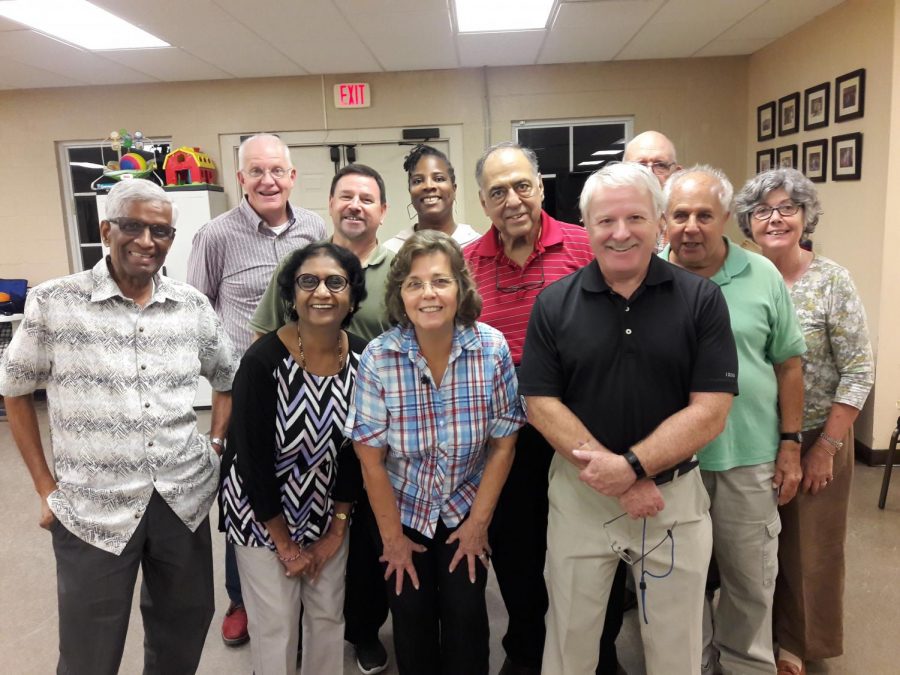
x=524, y=251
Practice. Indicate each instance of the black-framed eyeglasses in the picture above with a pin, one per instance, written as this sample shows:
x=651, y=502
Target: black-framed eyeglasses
x=498, y=194
x=764, y=211
x=658, y=168
x=335, y=283
x=256, y=172
x=436, y=284
x=527, y=286
x=135, y=228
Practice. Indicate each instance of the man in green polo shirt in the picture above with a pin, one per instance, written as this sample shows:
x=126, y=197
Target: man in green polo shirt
x=754, y=465
x=357, y=205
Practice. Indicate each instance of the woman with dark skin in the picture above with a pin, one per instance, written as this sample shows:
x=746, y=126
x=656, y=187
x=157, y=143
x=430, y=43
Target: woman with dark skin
x=432, y=194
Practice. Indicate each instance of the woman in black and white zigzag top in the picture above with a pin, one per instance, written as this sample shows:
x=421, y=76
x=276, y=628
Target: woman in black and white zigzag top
x=288, y=477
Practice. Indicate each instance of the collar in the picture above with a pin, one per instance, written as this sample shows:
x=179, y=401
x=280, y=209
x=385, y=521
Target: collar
x=378, y=256
x=260, y=224
x=104, y=287
x=658, y=272
x=736, y=260
x=403, y=341
x=489, y=245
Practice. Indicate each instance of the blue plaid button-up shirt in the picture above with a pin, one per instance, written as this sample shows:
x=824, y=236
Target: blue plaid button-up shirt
x=436, y=437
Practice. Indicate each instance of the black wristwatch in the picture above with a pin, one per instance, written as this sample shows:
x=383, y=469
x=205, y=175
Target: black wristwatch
x=635, y=464
x=794, y=436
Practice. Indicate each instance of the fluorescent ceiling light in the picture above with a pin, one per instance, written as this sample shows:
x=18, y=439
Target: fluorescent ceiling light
x=80, y=23
x=490, y=16
x=606, y=152
x=599, y=161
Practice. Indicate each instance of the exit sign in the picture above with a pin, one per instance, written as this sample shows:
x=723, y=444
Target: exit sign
x=352, y=95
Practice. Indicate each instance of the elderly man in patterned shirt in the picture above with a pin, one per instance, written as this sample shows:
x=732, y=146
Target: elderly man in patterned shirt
x=119, y=349
x=232, y=259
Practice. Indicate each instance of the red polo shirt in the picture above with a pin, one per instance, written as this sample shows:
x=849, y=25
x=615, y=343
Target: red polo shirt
x=561, y=249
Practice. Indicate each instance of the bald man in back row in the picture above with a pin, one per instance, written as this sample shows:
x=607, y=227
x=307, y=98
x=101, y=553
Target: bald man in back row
x=655, y=151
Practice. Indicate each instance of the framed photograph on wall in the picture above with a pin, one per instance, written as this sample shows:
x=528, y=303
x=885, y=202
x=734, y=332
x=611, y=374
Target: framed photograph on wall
x=846, y=157
x=765, y=122
x=815, y=106
x=789, y=114
x=765, y=160
x=850, y=96
x=786, y=157
x=815, y=160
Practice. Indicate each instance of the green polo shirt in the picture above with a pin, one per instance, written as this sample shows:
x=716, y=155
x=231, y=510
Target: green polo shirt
x=766, y=332
x=370, y=319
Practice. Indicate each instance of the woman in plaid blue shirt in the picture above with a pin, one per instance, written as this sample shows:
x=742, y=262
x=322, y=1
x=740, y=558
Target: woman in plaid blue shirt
x=434, y=422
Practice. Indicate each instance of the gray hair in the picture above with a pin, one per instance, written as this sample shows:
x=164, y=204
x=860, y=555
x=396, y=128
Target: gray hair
x=800, y=189
x=725, y=193
x=260, y=137
x=528, y=152
x=621, y=174
x=127, y=191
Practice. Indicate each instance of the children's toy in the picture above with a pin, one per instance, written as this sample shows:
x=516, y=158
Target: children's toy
x=189, y=166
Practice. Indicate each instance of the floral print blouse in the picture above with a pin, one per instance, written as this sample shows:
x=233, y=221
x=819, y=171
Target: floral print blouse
x=838, y=365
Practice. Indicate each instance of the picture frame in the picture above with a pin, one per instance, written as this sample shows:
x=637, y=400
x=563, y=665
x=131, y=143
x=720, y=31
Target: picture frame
x=816, y=102
x=786, y=157
x=765, y=160
x=815, y=160
x=765, y=122
x=789, y=114
x=850, y=96
x=846, y=156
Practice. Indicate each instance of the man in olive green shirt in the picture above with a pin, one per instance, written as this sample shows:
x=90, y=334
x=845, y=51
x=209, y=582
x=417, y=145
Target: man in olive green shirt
x=357, y=207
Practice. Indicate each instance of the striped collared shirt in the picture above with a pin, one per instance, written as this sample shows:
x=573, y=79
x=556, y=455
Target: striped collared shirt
x=436, y=437
x=235, y=254
x=120, y=383
x=560, y=249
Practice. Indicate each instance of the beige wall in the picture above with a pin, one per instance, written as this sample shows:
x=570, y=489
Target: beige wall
x=673, y=96
x=856, y=34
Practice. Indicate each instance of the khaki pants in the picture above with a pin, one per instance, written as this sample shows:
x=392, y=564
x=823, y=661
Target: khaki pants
x=273, y=612
x=745, y=544
x=583, y=550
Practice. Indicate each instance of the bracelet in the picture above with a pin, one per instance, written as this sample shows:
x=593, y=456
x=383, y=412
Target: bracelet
x=833, y=442
x=635, y=464
x=215, y=440
x=291, y=558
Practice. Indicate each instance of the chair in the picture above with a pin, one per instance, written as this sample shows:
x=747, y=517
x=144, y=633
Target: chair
x=889, y=466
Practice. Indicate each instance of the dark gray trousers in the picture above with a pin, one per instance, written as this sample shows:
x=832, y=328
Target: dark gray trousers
x=95, y=590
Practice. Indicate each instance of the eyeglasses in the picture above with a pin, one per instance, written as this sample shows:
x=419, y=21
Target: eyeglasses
x=764, y=212
x=658, y=168
x=527, y=286
x=498, y=194
x=135, y=228
x=436, y=284
x=334, y=283
x=277, y=172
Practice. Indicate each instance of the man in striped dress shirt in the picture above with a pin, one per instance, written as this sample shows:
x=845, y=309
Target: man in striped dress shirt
x=232, y=259
x=524, y=251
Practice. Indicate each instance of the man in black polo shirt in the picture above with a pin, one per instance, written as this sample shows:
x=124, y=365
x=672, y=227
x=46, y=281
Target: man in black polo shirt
x=629, y=368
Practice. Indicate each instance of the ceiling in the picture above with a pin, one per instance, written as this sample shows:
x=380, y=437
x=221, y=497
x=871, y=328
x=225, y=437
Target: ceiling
x=226, y=39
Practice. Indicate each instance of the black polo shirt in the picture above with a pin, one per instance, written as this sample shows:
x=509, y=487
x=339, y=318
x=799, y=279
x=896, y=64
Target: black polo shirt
x=623, y=366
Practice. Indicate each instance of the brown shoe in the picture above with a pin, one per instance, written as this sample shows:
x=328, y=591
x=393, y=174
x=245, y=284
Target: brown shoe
x=788, y=668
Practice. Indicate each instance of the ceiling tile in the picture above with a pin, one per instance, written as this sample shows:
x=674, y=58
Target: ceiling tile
x=15, y=75
x=168, y=65
x=428, y=46
x=499, y=49
x=727, y=47
x=594, y=31
x=77, y=64
x=308, y=32
x=779, y=17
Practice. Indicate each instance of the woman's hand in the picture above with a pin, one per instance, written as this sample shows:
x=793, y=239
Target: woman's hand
x=322, y=551
x=473, y=543
x=398, y=556
x=818, y=468
x=294, y=559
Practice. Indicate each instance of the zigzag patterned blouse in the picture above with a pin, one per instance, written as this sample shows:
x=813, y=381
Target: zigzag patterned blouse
x=286, y=446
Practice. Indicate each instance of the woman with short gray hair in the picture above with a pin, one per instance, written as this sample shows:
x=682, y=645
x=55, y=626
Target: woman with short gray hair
x=779, y=209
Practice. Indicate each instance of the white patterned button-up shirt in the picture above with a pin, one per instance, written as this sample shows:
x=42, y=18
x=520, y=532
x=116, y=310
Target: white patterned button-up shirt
x=120, y=383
